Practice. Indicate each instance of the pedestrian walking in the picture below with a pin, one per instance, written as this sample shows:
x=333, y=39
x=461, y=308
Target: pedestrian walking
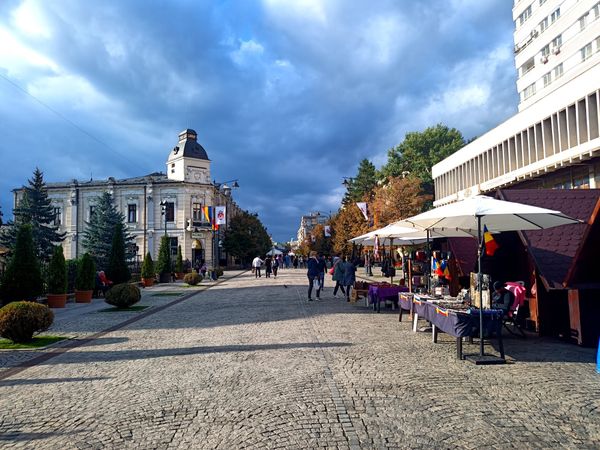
x=337, y=275
x=275, y=267
x=256, y=265
x=203, y=269
x=268, y=266
x=295, y=262
x=322, y=271
x=313, y=275
x=348, y=276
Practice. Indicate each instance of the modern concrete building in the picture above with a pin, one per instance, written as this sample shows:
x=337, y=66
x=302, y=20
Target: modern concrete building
x=152, y=205
x=308, y=222
x=554, y=139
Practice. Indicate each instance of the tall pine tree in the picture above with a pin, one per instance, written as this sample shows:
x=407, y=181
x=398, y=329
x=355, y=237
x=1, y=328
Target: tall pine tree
x=360, y=188
x=35, y=209
x=98, y=234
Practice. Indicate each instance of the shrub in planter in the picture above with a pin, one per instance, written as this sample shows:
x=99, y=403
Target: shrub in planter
x=148, y=270
x=57, y=279
x=192, y=278
x=179, y=262
x=123, y=295
x=163, y=265
x=86, y=278
x=19, y=321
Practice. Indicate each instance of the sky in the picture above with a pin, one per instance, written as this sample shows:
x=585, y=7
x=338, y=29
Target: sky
x=287, y=96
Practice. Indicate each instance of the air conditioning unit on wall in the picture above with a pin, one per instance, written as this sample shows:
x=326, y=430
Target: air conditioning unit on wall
x=556, y=50
x=544, y=59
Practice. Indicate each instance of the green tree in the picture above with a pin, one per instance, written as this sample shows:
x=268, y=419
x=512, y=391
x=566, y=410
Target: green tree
x=163, y=265
x=22, y=279
x=420, y=151
x=345, y=225
x=246, y=237
x=57, y=272
x=148, y=266
x=179, y=261
x=360, y=188
x=99, y=231
x=86, y=273
x=35, y=209
x=117, y=270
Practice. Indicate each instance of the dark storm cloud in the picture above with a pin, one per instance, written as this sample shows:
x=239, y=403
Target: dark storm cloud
x=287, y=95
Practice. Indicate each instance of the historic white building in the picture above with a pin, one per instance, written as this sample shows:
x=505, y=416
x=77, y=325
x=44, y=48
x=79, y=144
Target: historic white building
x=184, y=191
x=553, y=141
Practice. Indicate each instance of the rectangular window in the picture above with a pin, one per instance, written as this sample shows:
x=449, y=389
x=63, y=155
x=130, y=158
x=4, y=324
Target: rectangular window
x=586, y=52
x=545, y=50
x=57, y=216
x=92, y=211
x=598, y=44
x=543, y=25
x=596, y=11
x=555, y=15
x=169, y=211
x=526, y=14
x=529, y=91
x=173, y=246
x=542, y=2
x=558, y=71
x=583, y=21
x=131, y=213
x=197, y=212
x=547, y=79
x=529, y=64
x=557, y=41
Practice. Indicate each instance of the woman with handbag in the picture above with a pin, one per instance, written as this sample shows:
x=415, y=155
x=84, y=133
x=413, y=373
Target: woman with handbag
x=337, y=275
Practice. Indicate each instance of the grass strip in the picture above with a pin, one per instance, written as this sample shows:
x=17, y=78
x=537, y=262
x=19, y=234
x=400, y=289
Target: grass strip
x=36, y=342
x=167, y=294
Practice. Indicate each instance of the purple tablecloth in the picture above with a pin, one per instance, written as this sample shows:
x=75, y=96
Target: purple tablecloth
x=382, y=293
x=463, y=323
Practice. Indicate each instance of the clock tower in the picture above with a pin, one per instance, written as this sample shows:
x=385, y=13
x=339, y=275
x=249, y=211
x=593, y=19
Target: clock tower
x=188, y=160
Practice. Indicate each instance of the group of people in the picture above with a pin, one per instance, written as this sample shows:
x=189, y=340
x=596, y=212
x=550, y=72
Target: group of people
x=271, y=264
x=343, y=272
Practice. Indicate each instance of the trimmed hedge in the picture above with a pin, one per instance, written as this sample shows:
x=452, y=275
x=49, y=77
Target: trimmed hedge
x=123, y=295
x=86, y=273
x=57, y=272
x=192, y=278
x=148, y=266
x=19, y=321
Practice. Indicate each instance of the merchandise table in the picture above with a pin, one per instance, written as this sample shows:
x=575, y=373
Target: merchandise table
x=381, y=293
x=405, y=302
x=458, y=323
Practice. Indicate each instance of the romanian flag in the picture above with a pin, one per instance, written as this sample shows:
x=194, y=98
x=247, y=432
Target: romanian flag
x=447, y=272
x=490, y=243
x=209, y=213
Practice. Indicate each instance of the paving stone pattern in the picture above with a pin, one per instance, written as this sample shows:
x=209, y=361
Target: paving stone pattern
x=251, y=364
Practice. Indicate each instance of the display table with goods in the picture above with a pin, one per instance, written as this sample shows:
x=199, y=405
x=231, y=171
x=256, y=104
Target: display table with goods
x=453, y=316
x=382, y=292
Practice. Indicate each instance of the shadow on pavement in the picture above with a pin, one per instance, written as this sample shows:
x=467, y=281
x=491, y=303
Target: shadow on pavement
x=10, y=382
x=75, y=357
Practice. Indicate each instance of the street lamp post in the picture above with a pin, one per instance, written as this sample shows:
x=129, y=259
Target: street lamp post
x=219, y=187
x=163, y=212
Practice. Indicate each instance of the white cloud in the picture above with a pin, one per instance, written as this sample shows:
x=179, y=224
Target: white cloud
x=247, y=52
x=18, y=59
x=29, y=20
x=297, y=10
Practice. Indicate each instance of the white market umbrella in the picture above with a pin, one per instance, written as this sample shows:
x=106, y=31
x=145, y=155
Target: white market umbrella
x=475, y=213
x=274, y=252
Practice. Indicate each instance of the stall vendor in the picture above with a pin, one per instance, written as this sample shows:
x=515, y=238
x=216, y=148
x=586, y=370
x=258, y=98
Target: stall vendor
x=502, y=298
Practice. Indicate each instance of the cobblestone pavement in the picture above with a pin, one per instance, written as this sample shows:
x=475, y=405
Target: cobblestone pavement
x=251, y=364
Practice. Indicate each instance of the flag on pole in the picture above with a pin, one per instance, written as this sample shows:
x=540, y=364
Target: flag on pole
x=363, y=209
x=209, y=214
x=490, y=243
x=327, y=231
x=221, y=216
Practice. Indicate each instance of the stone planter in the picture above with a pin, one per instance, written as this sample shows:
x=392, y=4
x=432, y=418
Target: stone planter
x=57, y=300
x=164, y=277
x=148, y=282
x=83, y=296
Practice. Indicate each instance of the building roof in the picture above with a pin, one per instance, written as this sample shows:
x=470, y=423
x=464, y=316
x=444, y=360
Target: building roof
x=188, y=146
x=556, y=250
x=155, y=177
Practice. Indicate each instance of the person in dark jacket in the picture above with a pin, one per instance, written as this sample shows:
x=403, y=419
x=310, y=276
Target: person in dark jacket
x=313, y=274
x=348, y=277
x=268, y=266
x=322, y=271
x=338, y=275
